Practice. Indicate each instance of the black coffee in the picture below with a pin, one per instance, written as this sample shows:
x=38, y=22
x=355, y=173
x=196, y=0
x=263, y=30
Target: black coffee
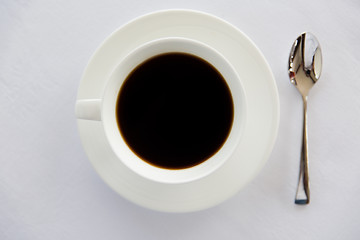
x=175, y=110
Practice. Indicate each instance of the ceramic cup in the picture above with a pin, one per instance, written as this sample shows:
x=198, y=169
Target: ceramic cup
x=103, y=110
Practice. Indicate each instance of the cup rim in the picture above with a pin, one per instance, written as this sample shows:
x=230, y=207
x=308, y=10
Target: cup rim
x=174, y=176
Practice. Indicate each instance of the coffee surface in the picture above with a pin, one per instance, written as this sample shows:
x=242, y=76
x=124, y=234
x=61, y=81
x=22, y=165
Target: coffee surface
x=175, y=110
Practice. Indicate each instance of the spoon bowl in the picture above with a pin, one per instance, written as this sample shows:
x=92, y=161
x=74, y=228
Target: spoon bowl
x=305, y=62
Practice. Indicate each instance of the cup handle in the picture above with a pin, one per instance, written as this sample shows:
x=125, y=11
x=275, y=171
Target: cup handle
x=88, y=109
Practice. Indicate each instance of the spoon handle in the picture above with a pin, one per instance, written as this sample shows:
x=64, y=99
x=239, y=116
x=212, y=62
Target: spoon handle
x=303, y=190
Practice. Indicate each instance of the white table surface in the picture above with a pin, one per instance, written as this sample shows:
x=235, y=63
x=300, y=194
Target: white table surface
x=49, y=190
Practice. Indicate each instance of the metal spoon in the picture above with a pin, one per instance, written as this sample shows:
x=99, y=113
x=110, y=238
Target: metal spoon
x=305, y=64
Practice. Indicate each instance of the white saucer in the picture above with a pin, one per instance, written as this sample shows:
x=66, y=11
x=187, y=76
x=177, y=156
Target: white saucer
x=262, y=111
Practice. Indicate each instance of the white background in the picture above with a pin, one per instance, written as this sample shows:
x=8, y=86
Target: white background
x=48, y=189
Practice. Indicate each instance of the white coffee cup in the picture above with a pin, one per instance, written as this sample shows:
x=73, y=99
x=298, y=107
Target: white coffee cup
x=103, y=110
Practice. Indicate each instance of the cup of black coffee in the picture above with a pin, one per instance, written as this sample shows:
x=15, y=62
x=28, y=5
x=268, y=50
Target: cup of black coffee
x=173, y=110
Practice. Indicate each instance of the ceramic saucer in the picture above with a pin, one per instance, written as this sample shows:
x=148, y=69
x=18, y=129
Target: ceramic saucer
x=260, y=128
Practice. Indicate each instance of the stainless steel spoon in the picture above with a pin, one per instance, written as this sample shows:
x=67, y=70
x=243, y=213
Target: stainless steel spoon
x=305, y=64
